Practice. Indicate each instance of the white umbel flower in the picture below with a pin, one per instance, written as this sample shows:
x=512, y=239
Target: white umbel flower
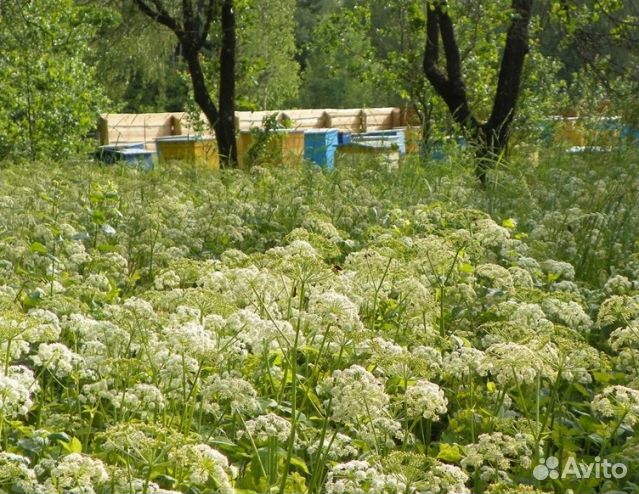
x=618, y=401
x=360, y=477
x=76, y=473
x=356, y=394
x=267, y=426
x=57, y=358
x=190, y=339
x=204, y=465
x=425, y=399
x=16, y=389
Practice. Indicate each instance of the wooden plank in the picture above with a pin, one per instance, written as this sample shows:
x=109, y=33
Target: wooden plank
x=126, y=128
x=409, y=118
x=139, y=134
x=307, y=124
x=397, y=117
x=128, y=119
x=129, y=127
x=254, y=118
x=303, y=119
x=350, y=123
x=378, y=118
x=103, y=130
x=334, y=112
x=183, y=126
x=303, y=114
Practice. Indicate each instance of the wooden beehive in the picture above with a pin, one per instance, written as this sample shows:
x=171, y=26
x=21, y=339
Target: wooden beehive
x=193, y=149
x=127, y=128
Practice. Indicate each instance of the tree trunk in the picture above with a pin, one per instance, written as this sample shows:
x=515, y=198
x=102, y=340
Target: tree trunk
x=200, y=90
x=490, y=137
x=192, y=31
x=225, y=125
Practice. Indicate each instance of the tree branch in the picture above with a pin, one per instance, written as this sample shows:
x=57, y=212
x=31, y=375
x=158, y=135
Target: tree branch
x=451, y=89
x=435, y=76
x=161, y=15
x=190, y=20
x=209, y=15
x=451, y=50
x=511, y=68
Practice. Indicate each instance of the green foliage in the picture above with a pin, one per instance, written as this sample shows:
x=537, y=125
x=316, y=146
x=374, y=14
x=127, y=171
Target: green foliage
x=268, y=73
x=597, y=41
x=301, y=331
x=264, y=142
x=340, y=56
x=49, y=96
x=399, y=28
x=138, y=62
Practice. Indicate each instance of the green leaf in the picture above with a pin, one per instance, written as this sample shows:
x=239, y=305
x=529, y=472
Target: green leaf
x=299, y=463
x=509, y=223
x=582, y=390
x=38, y=248
x=166, y=481
x=552, y=277
x=72, y=446
x=60, y=436
x=450, y=453
x=464, y=267
x=107, y=248
x=75, y=446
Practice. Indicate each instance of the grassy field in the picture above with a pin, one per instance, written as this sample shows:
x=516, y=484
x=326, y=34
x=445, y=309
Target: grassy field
x=292, y=330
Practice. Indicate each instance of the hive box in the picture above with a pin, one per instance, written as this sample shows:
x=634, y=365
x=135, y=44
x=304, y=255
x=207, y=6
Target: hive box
x=110, y=152
x=282, y=147
x=141, y=158
x=383, y=138
x=388, y=154
x=344, y=137
x=191, y=148
x=320, y=146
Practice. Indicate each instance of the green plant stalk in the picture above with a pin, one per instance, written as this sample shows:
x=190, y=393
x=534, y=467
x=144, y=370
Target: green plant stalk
x=319, y=460
x=373, y=316
x=294, y=413
x=255, y=450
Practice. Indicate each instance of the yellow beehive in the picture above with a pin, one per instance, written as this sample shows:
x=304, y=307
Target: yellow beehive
x=389, y=155
x=194, y=149
x=284, y=147
x=413, y=139
x=568, y=131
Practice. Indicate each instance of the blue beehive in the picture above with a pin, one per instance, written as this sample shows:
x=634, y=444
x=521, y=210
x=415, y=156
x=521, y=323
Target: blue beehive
x=110, y=152
x=320, y=146
x=141, y=158
x=630, y=134
x=384, y=138
x=344, y=138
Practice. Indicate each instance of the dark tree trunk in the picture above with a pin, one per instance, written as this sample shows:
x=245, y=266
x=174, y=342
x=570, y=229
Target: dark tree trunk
x=225, y=125
x=490, y=137
x=200, y=90
x=192, y=31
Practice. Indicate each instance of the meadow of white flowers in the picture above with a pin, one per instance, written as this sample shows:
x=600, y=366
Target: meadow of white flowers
x=293, y=331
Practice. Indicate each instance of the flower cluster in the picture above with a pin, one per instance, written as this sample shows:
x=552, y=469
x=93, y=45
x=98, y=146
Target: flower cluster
x=425, y=399
x=264, y=427
x=618, y=402
x=494, y=454
x=17, y=386
x=360, y=477
x=204, y=465
x=355, y=394
x=316, y=332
